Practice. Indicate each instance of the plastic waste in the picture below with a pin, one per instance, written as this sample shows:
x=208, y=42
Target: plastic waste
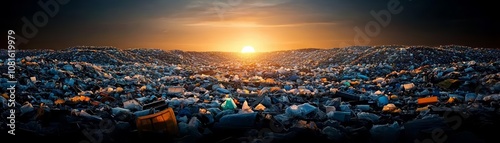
x=492, y=97
x=346, y=107
x=266, y=101
x=143, y=112
x=223, y=113
x=69, y=81
x=26, y=108
x=364, y=77
x=391, y=108
x=83, y=113
x=301, y=110
x=382, y=100
x=378, y=80
x=142, y=100
x=363, y=107
x=194, y=122
x=298, y=86
x=427, y=100
x=118, y=110
x=368, y=116
x=68, y=68
x=245, y=108
x=330, y=109
x=33, y=79
x=283, y=119
x=385, y=133
x=214, y=111
x=287, y=87
x=223, y=91
x=470, y=97
x=228, y=103
x=339, y=116
x=183, y=119
x=132, y=105
x=237, y=121
x=260, y=107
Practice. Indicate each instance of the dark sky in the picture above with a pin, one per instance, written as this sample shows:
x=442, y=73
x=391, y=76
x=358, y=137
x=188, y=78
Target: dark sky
x=267, y=25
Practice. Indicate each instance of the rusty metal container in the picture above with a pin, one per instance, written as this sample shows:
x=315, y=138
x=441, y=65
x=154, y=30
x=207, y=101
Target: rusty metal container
x=163, y=121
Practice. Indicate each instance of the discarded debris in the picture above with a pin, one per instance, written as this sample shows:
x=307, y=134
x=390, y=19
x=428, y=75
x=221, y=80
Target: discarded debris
x=381, y=93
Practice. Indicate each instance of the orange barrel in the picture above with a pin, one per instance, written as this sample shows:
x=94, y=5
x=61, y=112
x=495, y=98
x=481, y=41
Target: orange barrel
x=163, y=121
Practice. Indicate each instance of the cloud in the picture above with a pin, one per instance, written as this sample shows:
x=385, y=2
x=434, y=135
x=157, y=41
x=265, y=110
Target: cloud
x=260, y=13
x=243, y=24
x=266, y=3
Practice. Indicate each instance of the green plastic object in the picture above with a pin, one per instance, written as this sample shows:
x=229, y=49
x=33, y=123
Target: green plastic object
x=347, y=83
x=228, y=104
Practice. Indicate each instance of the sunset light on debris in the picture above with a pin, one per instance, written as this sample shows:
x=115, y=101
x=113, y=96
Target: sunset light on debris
x=235, y=71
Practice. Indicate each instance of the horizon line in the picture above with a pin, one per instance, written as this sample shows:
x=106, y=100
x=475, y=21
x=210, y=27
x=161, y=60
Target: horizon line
x=313, y=48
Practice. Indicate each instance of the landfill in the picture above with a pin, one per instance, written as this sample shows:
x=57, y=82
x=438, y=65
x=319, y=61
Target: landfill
x=371, y=94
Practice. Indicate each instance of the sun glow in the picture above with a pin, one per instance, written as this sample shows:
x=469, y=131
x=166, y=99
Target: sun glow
x=248, y=49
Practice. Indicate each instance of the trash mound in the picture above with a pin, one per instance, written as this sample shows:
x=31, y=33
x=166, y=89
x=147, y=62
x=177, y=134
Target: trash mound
x=416, y=56
x=353, y=94
x=400, y=57
x=157, y=56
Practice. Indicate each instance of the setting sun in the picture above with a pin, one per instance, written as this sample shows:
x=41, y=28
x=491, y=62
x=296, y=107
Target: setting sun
x=248, y=49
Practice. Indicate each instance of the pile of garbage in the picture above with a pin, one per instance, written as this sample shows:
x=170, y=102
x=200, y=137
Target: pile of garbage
x=353, y=94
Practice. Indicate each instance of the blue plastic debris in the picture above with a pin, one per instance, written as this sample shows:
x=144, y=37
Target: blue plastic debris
x=382, y=100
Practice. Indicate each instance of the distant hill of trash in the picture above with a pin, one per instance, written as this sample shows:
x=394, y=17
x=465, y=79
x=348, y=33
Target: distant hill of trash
x=396, y=55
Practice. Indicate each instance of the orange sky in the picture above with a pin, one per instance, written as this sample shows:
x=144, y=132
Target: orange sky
x=267, y=25
x=219, y=37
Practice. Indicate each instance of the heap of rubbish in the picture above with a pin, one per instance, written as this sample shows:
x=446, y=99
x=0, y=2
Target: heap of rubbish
x=355, y=94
